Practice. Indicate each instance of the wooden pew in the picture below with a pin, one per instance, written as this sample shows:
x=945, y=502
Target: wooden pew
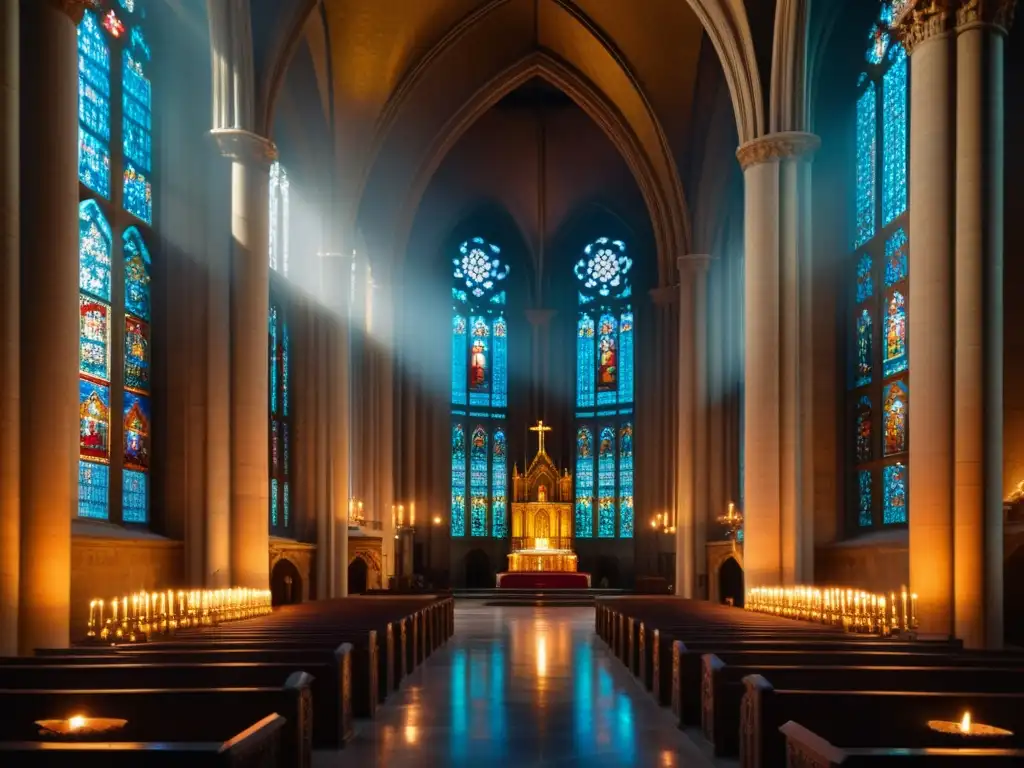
x=160, y=714
x=882, y=718
x=258, y=746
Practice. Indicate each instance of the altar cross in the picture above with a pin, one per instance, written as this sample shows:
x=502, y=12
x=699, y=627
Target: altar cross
x=540, y=429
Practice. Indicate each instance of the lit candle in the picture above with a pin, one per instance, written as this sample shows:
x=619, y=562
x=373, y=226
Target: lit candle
x=913, y=610
x=965, y=723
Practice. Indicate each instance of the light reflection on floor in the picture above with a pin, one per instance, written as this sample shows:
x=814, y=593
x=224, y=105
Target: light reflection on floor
x=519, y=687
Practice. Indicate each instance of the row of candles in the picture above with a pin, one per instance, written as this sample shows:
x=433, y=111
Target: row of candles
x=854, y=610
x=141, y=615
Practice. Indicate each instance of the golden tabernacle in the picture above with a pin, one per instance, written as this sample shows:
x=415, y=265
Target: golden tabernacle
x=542, y=515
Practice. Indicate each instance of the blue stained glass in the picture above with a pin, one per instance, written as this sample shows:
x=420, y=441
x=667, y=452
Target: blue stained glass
x=863, y=438
x=878, y=43
x=285, y=447
x=459, y=372
x=93, y=337
x=136, y=354
x=865, y=286
x=458, y=519
x=895, y=335
x=93, y=108
x=93, y=490
x=607, y=359
x=499, y=485
x=274, y=452
x=605, y=267
x=134, y=496
x=585, y=362
x=286, y=498
x=136, y=274
x=459, y=295
x=896, y=257
x=584, y=483
x=894, y=484
x=478, y=483
x=136, y=431
x=894, y=136
x=864, y=517
x=626, y=357
x=606, y=484
x=93, y=420
x=285, y=372
x=894, y=416
x=273, y=359
x=866, y=141
x=479, y=268
x=273, y=502
x=138, y=105
x=138, y=193
x=863, y=348
x=94, y=244
x=626, y=481
x=479, y=363
x=93, y=163
x=499, y=393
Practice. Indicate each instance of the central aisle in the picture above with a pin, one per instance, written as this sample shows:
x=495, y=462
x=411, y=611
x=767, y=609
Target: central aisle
x=519, y=687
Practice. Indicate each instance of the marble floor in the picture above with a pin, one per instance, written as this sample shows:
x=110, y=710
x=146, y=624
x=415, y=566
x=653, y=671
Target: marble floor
x=519, y=686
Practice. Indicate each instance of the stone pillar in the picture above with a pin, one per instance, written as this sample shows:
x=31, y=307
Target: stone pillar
x=778, y=529
x=978, y=421
x=926, y=34
x=383, y=332
x=10, y=400
x=251, y=156
x=540, y=328
x=49, y=299
x=686, y=544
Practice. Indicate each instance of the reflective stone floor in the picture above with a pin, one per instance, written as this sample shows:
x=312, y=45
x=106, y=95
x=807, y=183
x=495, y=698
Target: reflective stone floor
x=519, y=687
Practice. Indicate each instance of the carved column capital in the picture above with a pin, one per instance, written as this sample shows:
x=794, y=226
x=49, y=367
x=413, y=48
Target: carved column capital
x=665, y=295
x=694, y=263
x=918, y=21
x=777, y=146
x=994, y=13
x=244, y=146
x=74, y=9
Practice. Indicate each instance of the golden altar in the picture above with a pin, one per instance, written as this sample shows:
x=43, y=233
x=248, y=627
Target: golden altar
x=542, y=516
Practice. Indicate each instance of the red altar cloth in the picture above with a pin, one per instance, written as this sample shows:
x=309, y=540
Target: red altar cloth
x=543, y=580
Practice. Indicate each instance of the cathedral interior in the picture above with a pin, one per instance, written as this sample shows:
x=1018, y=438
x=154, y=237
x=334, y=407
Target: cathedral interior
x=313, y=269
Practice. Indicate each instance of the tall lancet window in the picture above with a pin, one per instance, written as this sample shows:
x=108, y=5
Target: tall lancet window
x=115, y=264
x=604, y=392
x=479, y=391
x=280, y=212
x=280, y=422
x=878, y=402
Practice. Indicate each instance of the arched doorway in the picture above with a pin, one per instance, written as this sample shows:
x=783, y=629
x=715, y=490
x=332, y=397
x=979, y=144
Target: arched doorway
x=606, y=575
x=285, y=583
x=358, y=576
x=730, y=582
x=478, y=570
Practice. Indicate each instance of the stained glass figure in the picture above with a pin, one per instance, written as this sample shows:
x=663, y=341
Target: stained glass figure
x=459, y=361
x=626, y=357
x=94, y=244
x=93, y=106
x=585, y=361
x=584, y=483
x=865, y=286
x=895, y=335
x=478, y=483
x=499, y=483
x=866, y=149
x=863, y=450
x=479, y=382
x=94, y=420
x=607, y=360
x=604, y=269
x=93, y=338
x=863, y=348
x=894, y=414
x=894, y=135
x=93, y=490
x=896, y=252
x=137, y=127
x=136, y=274
x=626, y=481
x=458, y=515
x=136, y=355
x=136, y=431
x=606, y=484
x=499, y=390
x=894, y=505
x=134, y=496
x=864, y=508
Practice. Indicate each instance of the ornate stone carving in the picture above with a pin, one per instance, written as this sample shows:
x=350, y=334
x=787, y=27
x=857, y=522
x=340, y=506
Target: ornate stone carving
x=777, y=146
x=244, y=146
x=921, y=20
x=998, y=13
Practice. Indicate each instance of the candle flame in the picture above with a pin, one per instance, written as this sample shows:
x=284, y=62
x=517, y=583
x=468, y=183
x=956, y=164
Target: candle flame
x=965, y=723
x=76, y=721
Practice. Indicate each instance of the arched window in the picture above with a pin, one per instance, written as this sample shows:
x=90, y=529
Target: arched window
x=479, y=390
x=114, y=221
x=879, y=393
x=280, y=422
x=279, y=218
x=604, y=392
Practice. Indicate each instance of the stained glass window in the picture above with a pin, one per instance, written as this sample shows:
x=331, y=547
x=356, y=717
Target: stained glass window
x=478, y=483
x=895, y=359
x=94, y=244
x=93, y=338
x=865, y=287
x=626, y=481
x=866, y=149
x=136, y=274
x=93, y=487
x=94, y=420
x=606, y=484
x=272, y=327
x=864, y=506
x=894, y=482
x=626, y=355
x=894, y=413
x=584, y=483
x=279, y=386
x=93, y=106
x=864, y=348
x=136, y=431
x=137, y=128
x=458, y=521
x=135, y=496
x=479, y=349
x=863, y=448
x=894, y=136
x=280, y=215
x=136, y=407
x=585, y=361
x=499, y=484
x=896, y=252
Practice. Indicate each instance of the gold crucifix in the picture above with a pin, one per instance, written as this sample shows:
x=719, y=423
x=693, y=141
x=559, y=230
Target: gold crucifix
x=540, y=429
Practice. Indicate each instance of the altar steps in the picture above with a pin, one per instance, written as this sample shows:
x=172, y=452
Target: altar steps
x=536, y=597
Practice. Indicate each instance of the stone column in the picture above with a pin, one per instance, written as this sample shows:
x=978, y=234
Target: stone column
x=49, y=288
x=251, y=156
x=686, y=545
x=926, y=34
x=540, y=328
x=383, y=332
x=777, y=233
x=978, y=421
x=10, y=400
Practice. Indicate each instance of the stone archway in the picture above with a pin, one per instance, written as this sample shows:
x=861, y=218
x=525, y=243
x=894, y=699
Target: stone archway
x=730, y=582
x=607, y=572
x=369, y=552
x=358, y=576
x=285, y=583
x=478, y=570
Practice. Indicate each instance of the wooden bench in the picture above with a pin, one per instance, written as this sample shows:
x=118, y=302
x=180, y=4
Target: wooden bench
x=806, y=748
x=882, y=718
x=160, y=714
x=258, y=746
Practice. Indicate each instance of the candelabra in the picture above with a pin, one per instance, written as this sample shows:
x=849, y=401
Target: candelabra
x=356, y=515
x=733, y=522
x=663, y=522
x=853, y=610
